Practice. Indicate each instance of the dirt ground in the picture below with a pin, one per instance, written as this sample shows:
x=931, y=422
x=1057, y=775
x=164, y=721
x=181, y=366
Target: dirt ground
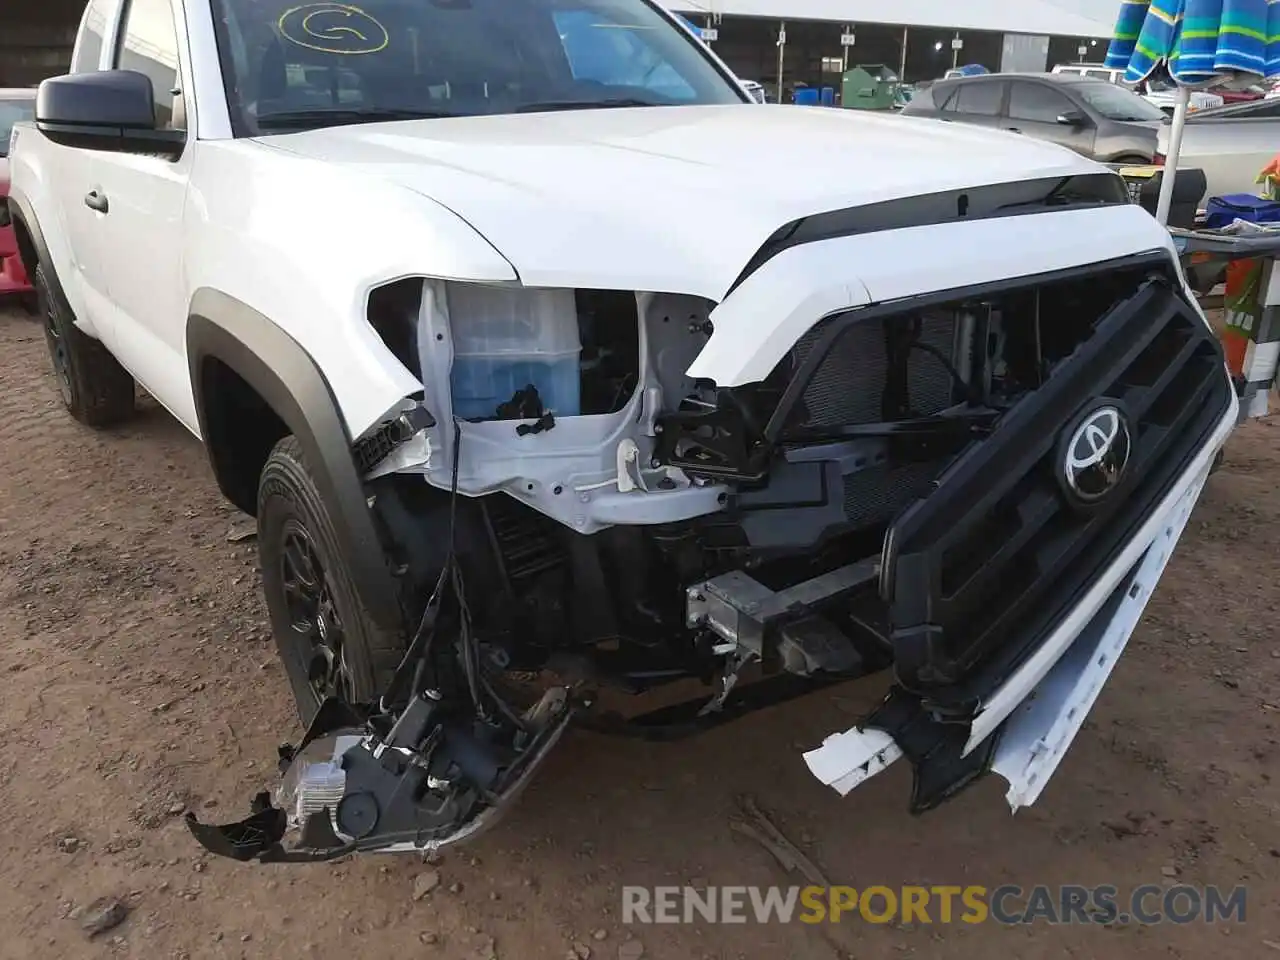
x=138, y=681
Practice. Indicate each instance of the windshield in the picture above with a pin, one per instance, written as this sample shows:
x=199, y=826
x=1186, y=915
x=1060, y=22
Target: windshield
x=11, y=112
x=290, y=67
x=1117, y=103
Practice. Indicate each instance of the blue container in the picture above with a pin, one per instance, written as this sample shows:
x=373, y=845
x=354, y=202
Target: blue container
x=806, y=97
x=481, y=384
x=506, y=338
x=828, y=96
x=1226, y=210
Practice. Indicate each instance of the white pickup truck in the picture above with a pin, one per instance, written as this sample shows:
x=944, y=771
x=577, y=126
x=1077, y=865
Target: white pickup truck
x=553, y=367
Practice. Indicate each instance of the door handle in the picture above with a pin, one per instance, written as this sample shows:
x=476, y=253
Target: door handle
x=1014, y=130
x=97, y=200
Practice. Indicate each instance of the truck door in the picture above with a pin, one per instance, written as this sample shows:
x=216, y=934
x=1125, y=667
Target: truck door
x=70, y=178
x=142, y=225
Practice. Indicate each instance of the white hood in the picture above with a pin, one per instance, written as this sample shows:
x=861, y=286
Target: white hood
x=668, y=199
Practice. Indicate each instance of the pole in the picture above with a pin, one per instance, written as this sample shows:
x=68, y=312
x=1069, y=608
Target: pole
x=782, y=43
x=845, y=53
x=902, y=66
x=1165, y=202
x=955, y=52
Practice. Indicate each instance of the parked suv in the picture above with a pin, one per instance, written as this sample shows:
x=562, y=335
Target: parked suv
x=1092, y=117
x=754, y=88
x=542, y=385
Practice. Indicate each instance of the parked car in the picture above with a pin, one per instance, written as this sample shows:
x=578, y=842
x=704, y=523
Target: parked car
x=968, y=70
x=1231, y=144
x=1092, y=117
x=755, y=89
x=1159, y=91
x=1163, y=93
x=617, y=389
x=15, y=106
x=1247, y=95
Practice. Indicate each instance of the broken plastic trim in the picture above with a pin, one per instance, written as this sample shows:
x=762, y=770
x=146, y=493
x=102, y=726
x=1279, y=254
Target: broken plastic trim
x=382, y=442
x=386, y=793
x=259, y=836
x=1024, y=729
x=384, y=777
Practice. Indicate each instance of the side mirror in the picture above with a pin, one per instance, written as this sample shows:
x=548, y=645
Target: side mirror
x=112, y=110
x=1072, y=118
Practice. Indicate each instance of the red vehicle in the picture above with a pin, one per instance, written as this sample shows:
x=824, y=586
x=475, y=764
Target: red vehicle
x=1242, y=96
x=15, y=105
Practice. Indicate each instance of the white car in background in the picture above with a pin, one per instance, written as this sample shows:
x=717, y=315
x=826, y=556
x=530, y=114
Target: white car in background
x=1160, y=93
x=755, y=89
x=1231, y=145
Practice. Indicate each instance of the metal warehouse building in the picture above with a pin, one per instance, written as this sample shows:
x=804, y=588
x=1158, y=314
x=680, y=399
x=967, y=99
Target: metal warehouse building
x=811, y=41
x=921, y=38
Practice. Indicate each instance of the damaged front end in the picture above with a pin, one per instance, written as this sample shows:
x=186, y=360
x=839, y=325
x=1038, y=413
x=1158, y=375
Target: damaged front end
x=1034, y=463
x=970, y=490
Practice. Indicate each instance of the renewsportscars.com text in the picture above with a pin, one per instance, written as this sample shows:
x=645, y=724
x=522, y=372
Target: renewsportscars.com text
x=1008, y=904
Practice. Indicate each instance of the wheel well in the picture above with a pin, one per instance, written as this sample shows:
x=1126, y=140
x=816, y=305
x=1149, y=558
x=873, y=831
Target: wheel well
x=26, y=246
x=240, y=429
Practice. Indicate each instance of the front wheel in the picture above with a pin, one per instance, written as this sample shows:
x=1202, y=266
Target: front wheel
x=329, y=644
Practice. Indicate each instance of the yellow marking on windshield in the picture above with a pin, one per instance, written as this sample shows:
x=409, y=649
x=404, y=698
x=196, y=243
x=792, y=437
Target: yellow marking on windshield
x=337, y=28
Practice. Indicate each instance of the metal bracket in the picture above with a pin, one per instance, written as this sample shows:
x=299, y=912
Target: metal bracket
x=741, y=610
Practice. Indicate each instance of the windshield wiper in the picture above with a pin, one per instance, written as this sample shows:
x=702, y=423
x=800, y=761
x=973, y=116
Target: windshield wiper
x=548, y=105
x=294, y=119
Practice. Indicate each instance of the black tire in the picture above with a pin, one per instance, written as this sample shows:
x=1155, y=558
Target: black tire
x=1133, y=160
x=293, y=524
x=94, y=388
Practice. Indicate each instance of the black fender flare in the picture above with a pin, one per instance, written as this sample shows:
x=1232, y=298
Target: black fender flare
x=22, y=212
x=289, y=380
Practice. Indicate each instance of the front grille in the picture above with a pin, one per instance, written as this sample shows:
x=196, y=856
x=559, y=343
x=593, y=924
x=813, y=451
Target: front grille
x=975, y=571
x=850, y=386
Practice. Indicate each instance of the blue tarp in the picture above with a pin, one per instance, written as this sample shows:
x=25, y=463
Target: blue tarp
x=697, y=30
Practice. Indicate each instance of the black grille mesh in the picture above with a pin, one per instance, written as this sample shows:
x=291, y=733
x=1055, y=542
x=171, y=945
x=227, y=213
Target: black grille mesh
x=848, y=388
x=882, y=491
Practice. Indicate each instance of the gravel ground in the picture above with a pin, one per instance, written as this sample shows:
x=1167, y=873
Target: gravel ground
x=139, y=682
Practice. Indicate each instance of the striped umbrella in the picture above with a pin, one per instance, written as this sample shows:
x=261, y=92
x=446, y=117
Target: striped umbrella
x=1201, y=43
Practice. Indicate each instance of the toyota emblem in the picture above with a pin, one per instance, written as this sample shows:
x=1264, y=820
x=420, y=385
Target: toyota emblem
x=1095, y=454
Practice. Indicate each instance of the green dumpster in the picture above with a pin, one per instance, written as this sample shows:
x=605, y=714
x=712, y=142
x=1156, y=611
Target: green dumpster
x=869, y=86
